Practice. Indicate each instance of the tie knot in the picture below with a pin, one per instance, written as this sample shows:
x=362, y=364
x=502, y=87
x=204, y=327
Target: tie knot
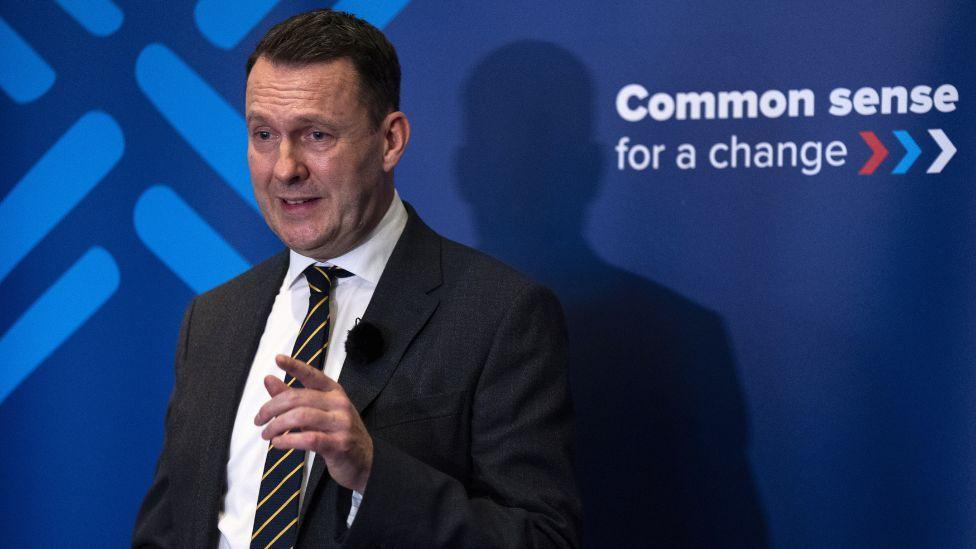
x=322, y=279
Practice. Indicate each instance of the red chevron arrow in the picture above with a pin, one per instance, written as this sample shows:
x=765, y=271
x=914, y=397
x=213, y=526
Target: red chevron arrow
x=879, y=153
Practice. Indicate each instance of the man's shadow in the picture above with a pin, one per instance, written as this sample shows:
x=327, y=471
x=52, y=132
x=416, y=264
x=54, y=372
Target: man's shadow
x=661, y=426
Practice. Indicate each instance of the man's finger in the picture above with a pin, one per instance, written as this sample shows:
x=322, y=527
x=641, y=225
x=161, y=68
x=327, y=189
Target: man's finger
x=310, y=377
x=304, y=419
x=305, y=440
x=274, y=386
x=295, y=398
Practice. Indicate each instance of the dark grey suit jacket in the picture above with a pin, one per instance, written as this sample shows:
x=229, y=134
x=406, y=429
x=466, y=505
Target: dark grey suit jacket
x=468, y=407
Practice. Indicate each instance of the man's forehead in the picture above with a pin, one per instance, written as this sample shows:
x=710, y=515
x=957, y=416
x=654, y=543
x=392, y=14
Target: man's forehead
x=317, y=84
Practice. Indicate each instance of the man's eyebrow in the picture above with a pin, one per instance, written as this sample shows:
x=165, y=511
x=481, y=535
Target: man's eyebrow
x=316, y=121
x=257, y=118
x=254, y=117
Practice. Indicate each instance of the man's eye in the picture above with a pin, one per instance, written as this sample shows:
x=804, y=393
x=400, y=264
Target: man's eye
x=318, y=136
x=263, y=135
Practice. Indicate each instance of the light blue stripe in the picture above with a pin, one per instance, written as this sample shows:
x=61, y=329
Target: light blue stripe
x=58, y=313
x=225, y=22
x=24, y=76
x=99, y=17
x=378, y=12
x=71, y=168
x=198, y=113
x=183, y=241
x=912, y=151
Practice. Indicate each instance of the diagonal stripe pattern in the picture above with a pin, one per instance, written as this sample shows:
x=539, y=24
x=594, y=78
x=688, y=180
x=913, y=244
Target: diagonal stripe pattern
x=276, y=517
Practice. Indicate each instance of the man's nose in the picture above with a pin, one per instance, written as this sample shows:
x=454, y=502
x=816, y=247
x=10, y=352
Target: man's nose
x=289, y=167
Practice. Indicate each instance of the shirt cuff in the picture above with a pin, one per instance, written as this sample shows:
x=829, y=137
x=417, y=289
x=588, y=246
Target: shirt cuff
x=357, y=498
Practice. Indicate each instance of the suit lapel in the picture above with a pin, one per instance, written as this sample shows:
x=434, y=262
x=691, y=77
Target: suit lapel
x=401, y=305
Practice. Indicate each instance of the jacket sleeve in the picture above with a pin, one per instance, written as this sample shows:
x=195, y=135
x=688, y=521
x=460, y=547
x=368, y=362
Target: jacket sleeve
x=154, y=523
x=522, y=493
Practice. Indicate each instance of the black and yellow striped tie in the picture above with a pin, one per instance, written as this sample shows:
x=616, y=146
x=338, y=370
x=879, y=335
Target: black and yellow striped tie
x=276, y=518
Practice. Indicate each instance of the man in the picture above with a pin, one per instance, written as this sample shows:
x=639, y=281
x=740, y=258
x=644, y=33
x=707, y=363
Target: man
x=448, y=423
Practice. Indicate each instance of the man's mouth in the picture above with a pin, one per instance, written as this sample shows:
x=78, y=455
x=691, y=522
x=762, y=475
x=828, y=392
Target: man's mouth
x=298, y=204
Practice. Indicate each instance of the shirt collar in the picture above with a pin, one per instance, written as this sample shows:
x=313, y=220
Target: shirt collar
x=368, y=259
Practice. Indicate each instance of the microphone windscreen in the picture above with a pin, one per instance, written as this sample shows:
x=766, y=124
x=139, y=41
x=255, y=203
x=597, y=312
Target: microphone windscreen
x=364, y=342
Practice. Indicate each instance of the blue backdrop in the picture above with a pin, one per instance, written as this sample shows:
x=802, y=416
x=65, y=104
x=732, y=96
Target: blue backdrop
x=777, y=353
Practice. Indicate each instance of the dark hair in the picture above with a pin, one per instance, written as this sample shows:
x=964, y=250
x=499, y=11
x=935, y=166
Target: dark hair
x=325, y=35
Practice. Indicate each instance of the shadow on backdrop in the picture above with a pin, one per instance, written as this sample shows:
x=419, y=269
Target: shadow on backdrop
x=661, y=423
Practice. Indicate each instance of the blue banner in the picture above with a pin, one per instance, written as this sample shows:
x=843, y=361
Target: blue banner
x=760, y=219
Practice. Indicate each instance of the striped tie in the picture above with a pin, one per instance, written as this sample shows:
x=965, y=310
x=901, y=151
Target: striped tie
x=276, y=518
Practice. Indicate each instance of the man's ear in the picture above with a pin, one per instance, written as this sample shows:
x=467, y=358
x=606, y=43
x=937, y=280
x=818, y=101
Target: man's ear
x=396, y=128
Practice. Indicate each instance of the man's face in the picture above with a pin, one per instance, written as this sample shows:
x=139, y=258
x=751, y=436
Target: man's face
x=322, y=174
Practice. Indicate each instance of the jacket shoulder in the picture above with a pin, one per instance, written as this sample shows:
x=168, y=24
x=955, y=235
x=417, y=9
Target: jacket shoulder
x=471, y=271
x=424, y=254
x=262, y=278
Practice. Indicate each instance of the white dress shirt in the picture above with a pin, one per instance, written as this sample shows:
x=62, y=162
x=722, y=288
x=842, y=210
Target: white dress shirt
x=351, y=296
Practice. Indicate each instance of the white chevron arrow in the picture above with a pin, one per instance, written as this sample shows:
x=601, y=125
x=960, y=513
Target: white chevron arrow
x=948, y=150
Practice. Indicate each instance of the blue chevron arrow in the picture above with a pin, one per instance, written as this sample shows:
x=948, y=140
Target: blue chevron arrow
x=911, y=151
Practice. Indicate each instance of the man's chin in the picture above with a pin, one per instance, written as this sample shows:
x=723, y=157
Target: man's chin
x=315, y=249
x=307, y=251
x=302, y=243
x=316, y=245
